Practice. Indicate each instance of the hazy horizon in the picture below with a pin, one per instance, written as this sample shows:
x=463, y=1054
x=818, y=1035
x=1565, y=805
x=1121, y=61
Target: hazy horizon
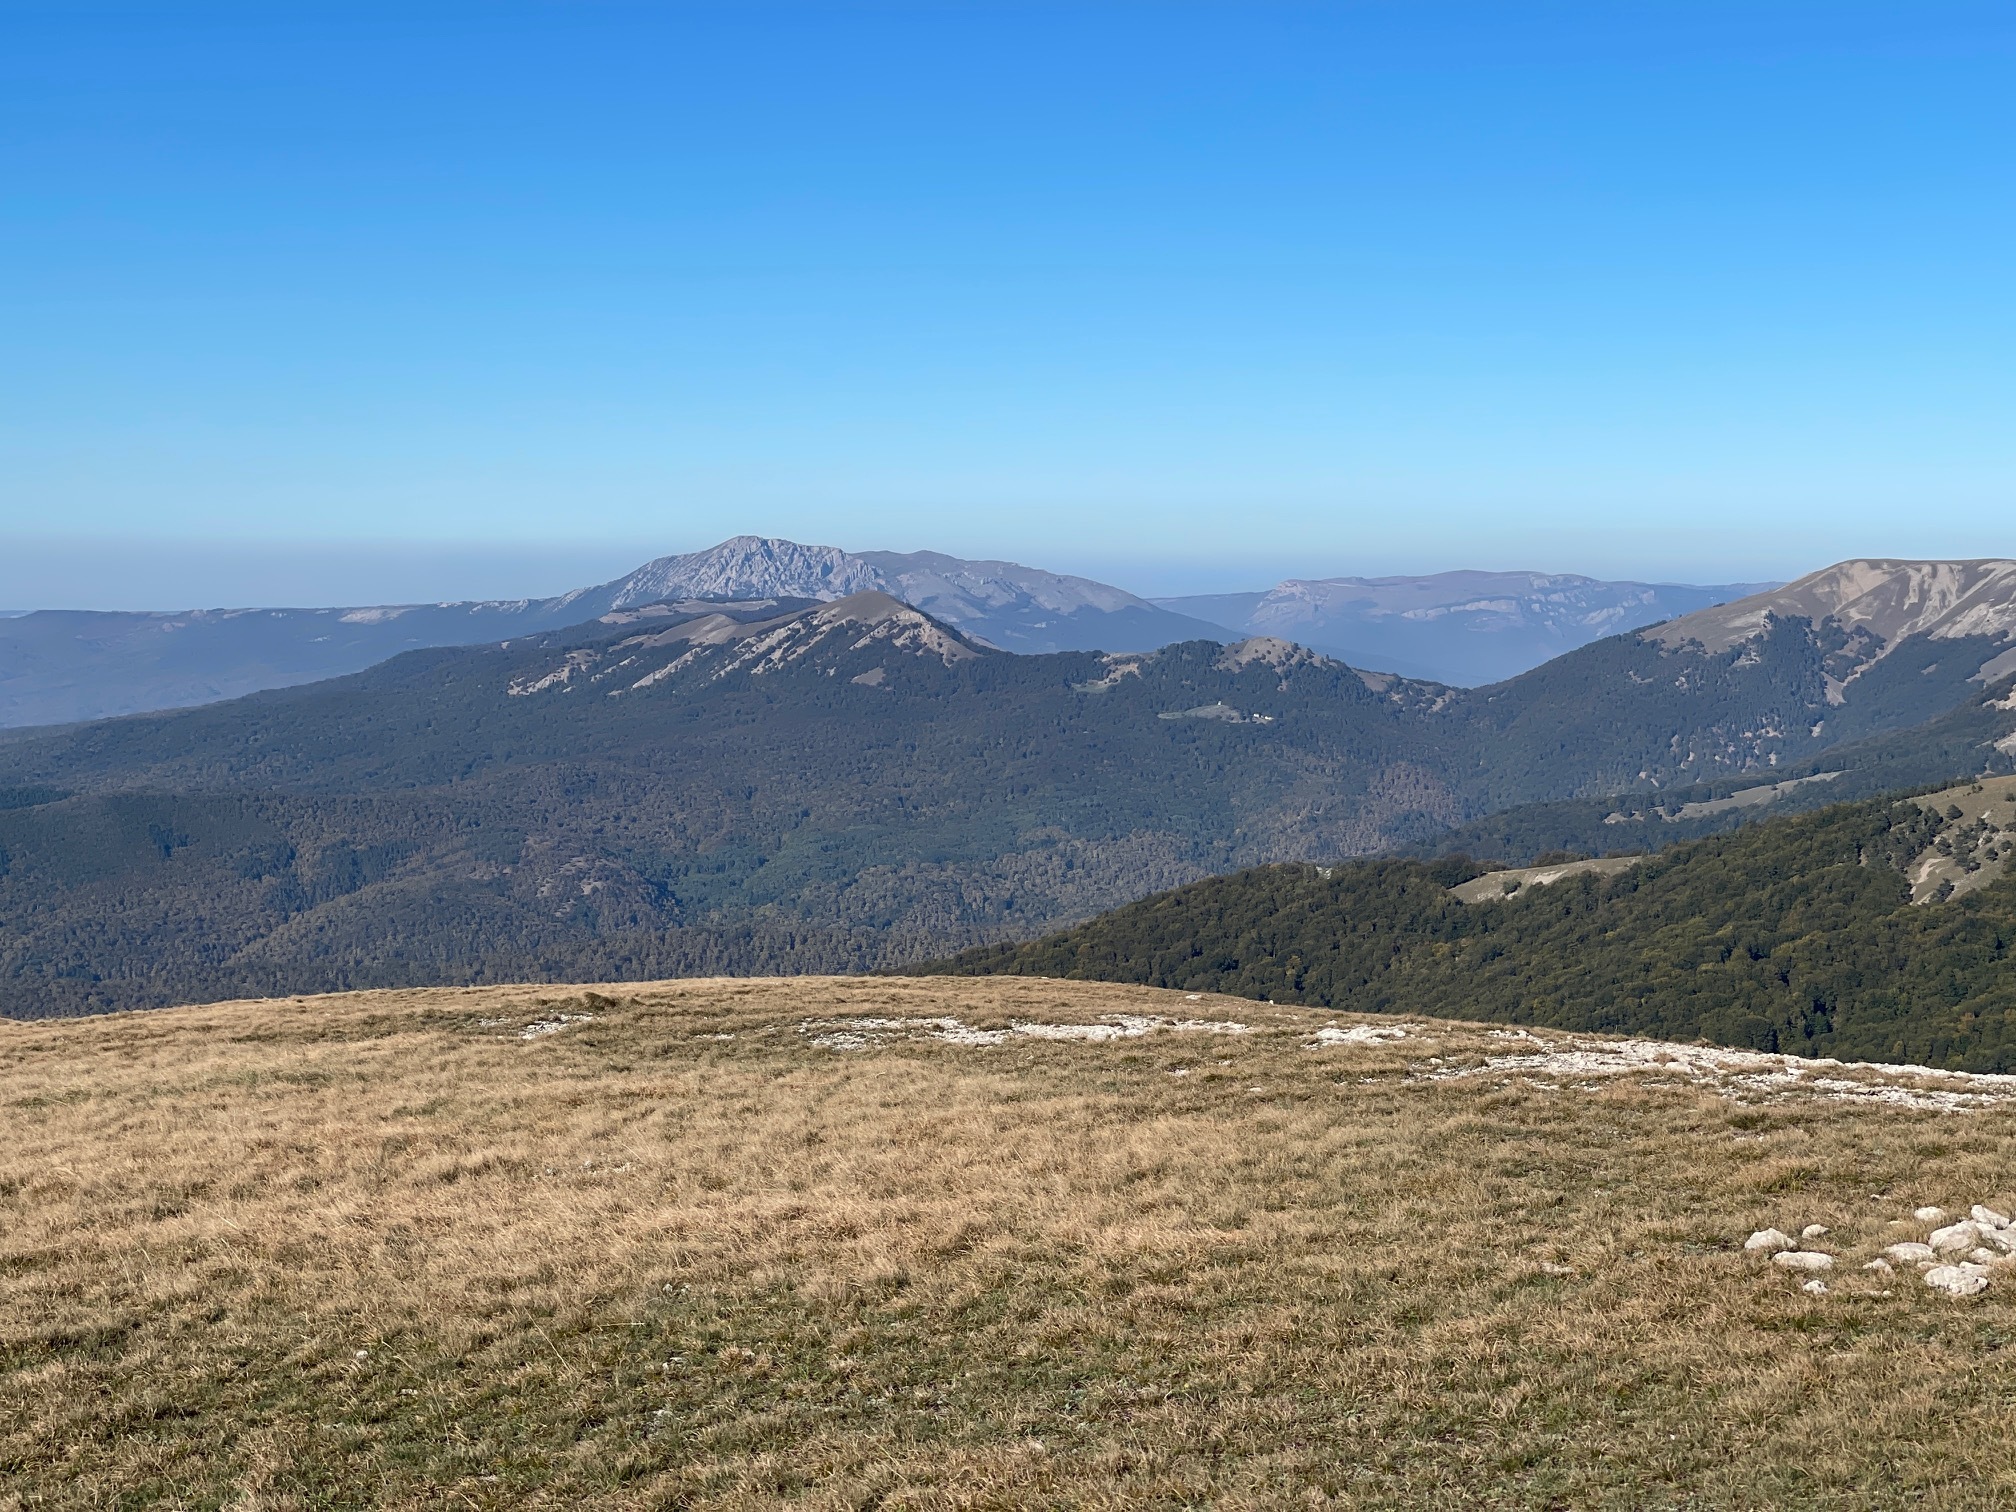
x=173, y=576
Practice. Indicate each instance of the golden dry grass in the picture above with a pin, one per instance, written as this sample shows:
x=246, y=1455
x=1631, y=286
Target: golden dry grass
x=370, y=1251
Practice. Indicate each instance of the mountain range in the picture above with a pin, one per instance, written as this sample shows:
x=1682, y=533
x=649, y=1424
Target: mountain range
x=769, y=783
x=63, y=666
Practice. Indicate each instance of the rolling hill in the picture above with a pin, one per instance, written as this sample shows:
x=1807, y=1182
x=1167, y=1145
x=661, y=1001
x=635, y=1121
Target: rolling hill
x=1882, y=930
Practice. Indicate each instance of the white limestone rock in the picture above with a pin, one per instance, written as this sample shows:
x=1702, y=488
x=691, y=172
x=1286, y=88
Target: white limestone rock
x=1881, y=1267
x=1814, y=1288
x=1769, y=1241
x=1955, y=1238
x=1806, y=1260
x=1930, y=1214
x=1912, y=1253
x=1986, y=1257
x=1954, y=1281
x=1814, y=1231
x=1989, y=1216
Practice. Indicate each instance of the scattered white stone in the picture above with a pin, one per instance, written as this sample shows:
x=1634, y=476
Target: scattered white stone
x=1912, y=1253
x=1954, y=1281
x=2002, y=1239
x=1813, y=1231
x=1814, y=1288
x=1770, y=1240
x=1955, y=1238
x=860, y=1033
x=840, y=1041
x=1882, y=1267
x=1363, y=1034
x=1750, y=1075
x=1806, y=1260
x=1090, y=1033
x=952, y=1032
x=1986, y=1257
x=540, y=1028
x=1989, y=1216
x=1930, y=1215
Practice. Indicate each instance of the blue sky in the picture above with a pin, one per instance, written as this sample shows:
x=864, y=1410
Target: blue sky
x=353, y=303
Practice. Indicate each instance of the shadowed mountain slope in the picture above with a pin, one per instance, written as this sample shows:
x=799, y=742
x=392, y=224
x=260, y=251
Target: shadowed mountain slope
x=1979, y=738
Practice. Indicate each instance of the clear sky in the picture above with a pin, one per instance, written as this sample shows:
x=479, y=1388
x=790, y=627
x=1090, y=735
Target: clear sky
x=359, y=303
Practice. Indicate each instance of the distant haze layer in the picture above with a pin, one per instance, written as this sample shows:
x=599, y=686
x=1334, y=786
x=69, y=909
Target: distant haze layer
x=1465, y=628
x=1462, y=628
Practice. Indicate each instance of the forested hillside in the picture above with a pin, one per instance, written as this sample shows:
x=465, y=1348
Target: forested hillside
x=1797, y=935
x=863, y=804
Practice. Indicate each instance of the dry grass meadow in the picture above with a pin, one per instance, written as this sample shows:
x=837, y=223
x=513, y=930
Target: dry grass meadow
x=378, y=1250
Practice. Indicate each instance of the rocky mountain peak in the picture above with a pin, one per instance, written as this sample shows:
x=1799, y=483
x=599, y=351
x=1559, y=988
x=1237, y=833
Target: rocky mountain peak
x=1890, y=599
x=887, y=620
x=749, y=567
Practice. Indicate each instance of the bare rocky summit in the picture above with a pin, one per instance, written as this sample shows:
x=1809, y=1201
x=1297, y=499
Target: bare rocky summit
x=1873, y=606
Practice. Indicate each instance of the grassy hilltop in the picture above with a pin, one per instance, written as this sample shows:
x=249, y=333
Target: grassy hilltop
x=845, y=1243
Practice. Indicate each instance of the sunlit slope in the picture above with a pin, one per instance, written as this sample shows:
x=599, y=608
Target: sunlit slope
x=718, y=1244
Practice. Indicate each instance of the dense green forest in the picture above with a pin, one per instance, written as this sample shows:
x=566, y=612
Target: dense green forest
x=1795, y=935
